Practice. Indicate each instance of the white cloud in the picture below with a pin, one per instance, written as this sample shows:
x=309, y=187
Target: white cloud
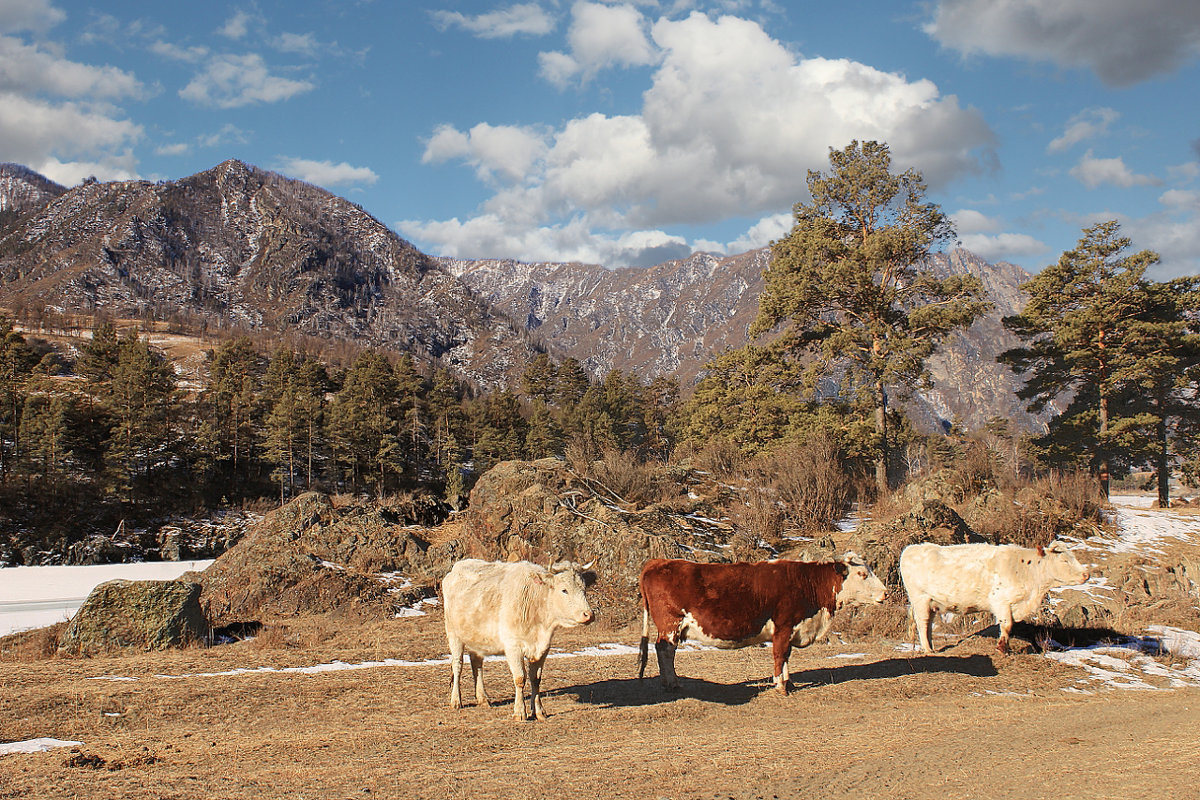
x=574, y=240
x=1085, y=125
x=503, y=151
x=176, y=149
x=1122, y=42
x=29, y=69
x=600, y=36
x=189, y=55
x=1002, y=246
x=29, y=15
x=1094, y=172
x=521, y=19
x=968, y=221
x=1185, y=172
x=762, y=233
x=230, y=81
x=729, y=127
x=237, y=26
x=115, y=168
x=326, y=173
x=305, y=44
x=1181, y=199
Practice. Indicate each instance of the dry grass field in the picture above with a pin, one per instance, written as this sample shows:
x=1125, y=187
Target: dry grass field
x=865, y=720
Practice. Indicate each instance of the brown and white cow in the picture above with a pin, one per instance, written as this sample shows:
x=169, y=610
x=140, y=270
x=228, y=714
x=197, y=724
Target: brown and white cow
x=736, y=605
x=495, y=607
x=1007, y=580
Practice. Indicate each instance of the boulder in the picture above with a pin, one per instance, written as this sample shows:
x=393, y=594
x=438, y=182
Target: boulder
x=143, y=615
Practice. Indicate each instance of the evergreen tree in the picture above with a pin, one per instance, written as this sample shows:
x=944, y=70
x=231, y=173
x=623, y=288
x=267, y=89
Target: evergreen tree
x=540, y=379
x=98, y=357
x=234, y=402
x=142, y=405
x=17, y=361
x=411, y=392
x=363, y=423
x=846, y=284
x=1079, y=327
x=46, y=426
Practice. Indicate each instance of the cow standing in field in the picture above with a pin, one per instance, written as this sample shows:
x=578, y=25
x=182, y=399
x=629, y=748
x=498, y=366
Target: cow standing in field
x=511, y=608
x=1007, y=580
x=736, y=605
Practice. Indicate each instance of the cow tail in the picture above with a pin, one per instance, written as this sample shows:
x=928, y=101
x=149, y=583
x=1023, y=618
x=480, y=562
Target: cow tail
x=644, y=647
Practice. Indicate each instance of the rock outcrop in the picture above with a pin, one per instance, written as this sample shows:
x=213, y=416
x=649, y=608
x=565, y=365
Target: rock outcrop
x=143, y=615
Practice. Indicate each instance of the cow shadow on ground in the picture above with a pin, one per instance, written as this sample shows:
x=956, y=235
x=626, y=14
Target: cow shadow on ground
x=626, y=692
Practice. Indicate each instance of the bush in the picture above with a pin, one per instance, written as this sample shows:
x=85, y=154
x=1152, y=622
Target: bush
x=810, y=481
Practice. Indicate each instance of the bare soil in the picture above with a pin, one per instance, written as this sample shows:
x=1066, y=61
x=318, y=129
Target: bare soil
x=864, y=720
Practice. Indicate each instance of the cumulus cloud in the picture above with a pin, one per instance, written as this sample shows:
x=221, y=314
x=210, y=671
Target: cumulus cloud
x=30, y=69
x=528, y=19
x=984, y=236
x=1122, y=42
x=175, y=52
x=57, y=116
x=230, y=81
x=506, y=152
x=326, y=173
x=729, y=126
x=600, y=36
x=305, y=44
x=1094, y=172
x=1087, y=124
x=37, y=16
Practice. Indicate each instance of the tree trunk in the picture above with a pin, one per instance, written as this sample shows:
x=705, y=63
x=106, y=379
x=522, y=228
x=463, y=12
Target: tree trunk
x=882, y=484
x=1163, y=467
x=1103, y=454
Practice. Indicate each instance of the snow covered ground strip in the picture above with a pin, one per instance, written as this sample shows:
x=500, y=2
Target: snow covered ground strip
x=35, y=745
x=33, y=597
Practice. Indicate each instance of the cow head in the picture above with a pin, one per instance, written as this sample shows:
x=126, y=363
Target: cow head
x=1061, y=565
x=566, y=601
x=859, y=585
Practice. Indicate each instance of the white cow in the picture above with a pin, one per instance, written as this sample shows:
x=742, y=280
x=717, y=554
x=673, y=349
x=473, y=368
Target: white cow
x=1007, y=580
x=511, y=608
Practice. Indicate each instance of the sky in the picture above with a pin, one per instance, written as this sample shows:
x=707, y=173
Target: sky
x=630, y=133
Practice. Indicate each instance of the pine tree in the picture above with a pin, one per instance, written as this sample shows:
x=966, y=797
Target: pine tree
x=847, y=286
x=363, y=423
x=1078, y=329
x=142, y=405
x=17, y=361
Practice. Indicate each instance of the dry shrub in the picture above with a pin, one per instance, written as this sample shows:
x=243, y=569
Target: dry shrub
x=888, y=620
x=810, y=482
x=630, y=479
x=38, y=644
x=762, y=518
x=1078, y=492
x=722, y=459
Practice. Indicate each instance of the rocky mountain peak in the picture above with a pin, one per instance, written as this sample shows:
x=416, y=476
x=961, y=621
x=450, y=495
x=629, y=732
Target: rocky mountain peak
x=22, y=189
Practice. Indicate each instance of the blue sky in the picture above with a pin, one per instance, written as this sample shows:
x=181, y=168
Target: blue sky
x=633, y=132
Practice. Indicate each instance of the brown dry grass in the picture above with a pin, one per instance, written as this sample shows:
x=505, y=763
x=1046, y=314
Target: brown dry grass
x=876, y=724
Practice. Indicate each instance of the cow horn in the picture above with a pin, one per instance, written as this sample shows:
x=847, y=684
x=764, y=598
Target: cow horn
x=587, y=566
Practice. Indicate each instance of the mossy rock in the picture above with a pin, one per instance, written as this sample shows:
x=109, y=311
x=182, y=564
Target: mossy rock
x=141, y=615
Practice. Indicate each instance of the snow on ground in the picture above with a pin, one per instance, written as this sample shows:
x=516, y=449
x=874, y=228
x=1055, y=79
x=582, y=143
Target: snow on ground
x=34, y=597
x=35, y=746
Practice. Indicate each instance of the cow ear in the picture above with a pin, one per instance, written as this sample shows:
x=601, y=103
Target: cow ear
x=589, y=578
x=1041, y=551
x=843, y=568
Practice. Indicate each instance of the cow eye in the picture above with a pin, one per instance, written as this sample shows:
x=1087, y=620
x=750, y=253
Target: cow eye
x=564, y=591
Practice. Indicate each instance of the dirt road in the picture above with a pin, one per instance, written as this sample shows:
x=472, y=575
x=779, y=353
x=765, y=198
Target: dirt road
x=865, y=721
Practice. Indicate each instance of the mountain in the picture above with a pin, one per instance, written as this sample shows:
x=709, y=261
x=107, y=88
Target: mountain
x=674, y=317
x=22, y=190
x=240, y=246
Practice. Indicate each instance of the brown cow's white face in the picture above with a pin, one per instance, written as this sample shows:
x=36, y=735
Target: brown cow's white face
x=566, y=602
x=1062, y=565
x=860, y=585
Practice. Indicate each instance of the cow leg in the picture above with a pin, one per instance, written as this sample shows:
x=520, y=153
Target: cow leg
x=477, y=676
x=517, y=665
x=456, y=656
x=922, y=613
x=665, y=649
x=535, y=687
x=1005, y=619
x=781, y=648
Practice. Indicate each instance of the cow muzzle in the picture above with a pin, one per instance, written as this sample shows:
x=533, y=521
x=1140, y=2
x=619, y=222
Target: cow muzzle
x=587, y=618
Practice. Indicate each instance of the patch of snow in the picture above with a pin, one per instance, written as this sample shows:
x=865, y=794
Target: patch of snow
x=35, y=745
